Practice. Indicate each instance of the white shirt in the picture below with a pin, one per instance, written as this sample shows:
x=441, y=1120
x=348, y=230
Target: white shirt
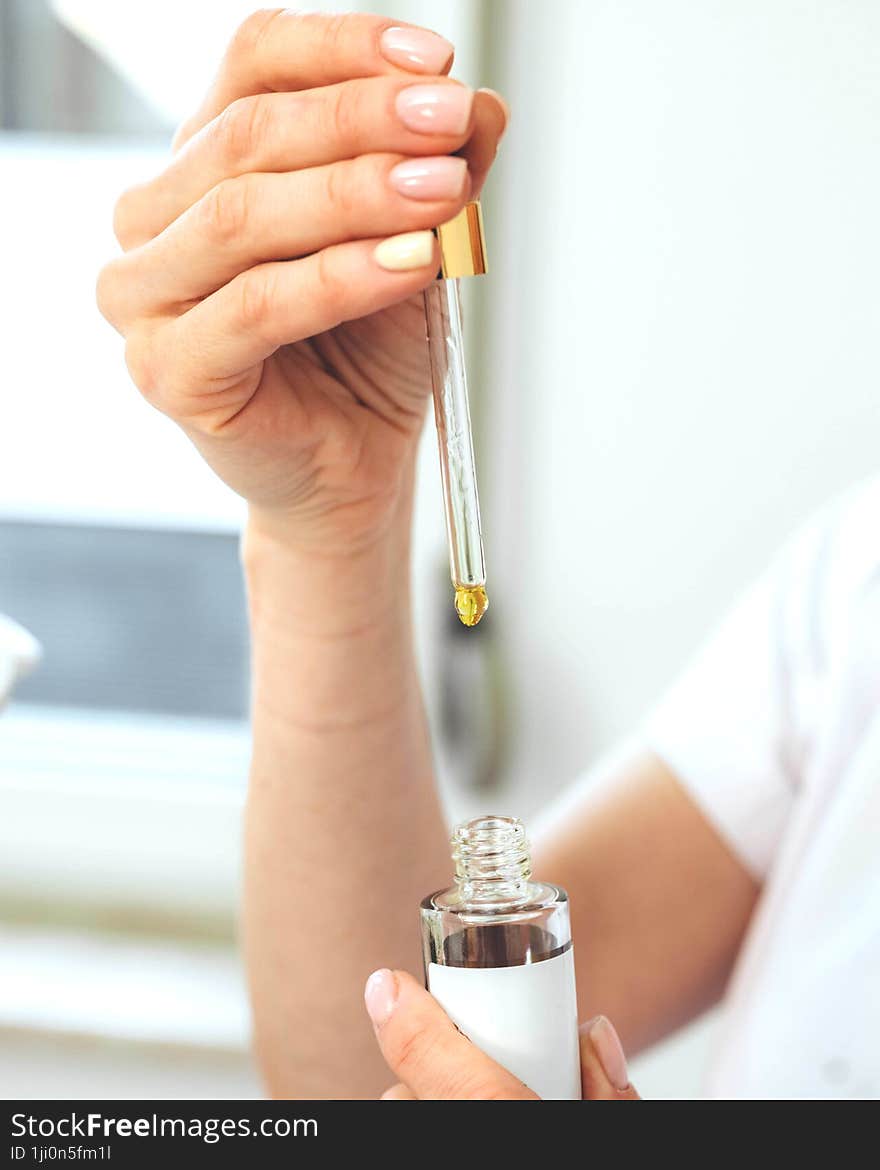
x=775, y=732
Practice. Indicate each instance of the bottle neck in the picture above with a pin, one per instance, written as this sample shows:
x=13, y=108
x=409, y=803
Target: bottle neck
x=492, y=861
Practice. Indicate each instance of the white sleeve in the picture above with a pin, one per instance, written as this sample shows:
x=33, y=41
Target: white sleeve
x=730, y=727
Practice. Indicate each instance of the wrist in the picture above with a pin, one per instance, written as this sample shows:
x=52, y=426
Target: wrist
x=331, y=584
x=331, y=635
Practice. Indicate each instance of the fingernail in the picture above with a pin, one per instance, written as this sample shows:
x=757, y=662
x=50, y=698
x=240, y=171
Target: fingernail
x=401, y=253
x=505, y=108
x=610, y=1052
x=416, y=49
x=430, y=178
x=435, y=109
x=380, y=995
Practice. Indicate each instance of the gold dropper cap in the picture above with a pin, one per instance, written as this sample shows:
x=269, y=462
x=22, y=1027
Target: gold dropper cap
x=463, y=244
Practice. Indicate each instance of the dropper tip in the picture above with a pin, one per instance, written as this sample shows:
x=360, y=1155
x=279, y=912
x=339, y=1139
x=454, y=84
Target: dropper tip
x=471, y=602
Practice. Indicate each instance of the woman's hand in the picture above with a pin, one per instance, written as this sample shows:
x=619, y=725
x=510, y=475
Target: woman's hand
x=267, y=287
x=434, y=1061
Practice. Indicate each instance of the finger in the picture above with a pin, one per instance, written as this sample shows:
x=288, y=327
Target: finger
x=201, y=368
x=294, y=131
x=398, y=1093
x=490, y=118
x=604, y=1075
x=283, y=50
x=257, y=218
x=424, y=1048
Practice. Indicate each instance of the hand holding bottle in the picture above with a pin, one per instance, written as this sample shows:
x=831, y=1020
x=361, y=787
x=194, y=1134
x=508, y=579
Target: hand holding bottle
x=267, y=287
x=434, y=1061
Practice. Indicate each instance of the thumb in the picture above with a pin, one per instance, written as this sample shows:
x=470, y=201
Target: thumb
x=604, y=1075
x=425, y=1050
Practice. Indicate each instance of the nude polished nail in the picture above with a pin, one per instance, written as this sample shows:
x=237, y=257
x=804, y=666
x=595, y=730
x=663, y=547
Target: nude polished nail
x=380, y=995
x=416, y=49
x=608, y=1048
x=443, y=177
x=405, y=252
x=435, y=109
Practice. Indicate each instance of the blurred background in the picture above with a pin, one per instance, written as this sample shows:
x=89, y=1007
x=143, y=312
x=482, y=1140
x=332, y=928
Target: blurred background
x=673, y=360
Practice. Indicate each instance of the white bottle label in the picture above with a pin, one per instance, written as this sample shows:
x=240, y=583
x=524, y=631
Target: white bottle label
x=523, y=1017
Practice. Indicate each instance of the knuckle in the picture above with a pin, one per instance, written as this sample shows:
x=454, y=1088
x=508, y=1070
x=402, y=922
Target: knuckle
x=409, y=1053
x=140, y=357
x=106, y=292
x=257, y=299
x=241, y=129
x=126, y=215
x=341, y=189
x=337, y=29
x=251, y=31
x=343, y=111
x=332, y=287
x=225, y=211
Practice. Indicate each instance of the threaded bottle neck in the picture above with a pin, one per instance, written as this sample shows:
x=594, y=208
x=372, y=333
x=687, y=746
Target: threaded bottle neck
x=492, y=860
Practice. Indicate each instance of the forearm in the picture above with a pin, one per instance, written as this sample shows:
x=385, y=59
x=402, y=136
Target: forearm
x=344, y=833
x=660, y=904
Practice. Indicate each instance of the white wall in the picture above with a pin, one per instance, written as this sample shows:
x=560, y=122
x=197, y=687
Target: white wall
x=683, y=232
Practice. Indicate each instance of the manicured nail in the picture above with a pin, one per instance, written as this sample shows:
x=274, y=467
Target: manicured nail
x=416, y=49
x=610, y=1052
x=435, y=109
x=443, y=177
x=380, y=995
x=505, y=108
x=401, y=253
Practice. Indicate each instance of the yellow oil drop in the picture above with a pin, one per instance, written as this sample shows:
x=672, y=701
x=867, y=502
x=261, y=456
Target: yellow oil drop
x=471, y=603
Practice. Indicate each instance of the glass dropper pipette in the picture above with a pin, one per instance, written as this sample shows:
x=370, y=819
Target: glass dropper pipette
x=463, y=253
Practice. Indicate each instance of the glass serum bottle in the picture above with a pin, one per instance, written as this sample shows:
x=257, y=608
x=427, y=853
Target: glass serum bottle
x=498, y=958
